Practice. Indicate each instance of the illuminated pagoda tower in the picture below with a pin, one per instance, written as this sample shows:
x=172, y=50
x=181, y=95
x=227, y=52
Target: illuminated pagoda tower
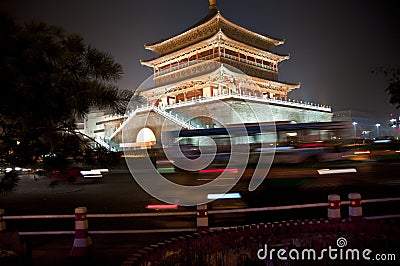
x=198, y=68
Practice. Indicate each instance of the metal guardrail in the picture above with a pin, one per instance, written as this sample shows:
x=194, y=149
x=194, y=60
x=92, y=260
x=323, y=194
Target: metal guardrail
x=183, y=213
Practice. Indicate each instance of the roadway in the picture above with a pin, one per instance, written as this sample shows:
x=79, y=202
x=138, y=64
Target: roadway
x=119, y=193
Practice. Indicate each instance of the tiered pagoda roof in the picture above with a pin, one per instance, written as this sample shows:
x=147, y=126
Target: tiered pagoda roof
x=208, y=27
x=221, y=36
x=216, y=39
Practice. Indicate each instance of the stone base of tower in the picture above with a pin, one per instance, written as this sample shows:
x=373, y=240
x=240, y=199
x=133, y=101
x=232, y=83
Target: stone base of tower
x=209, y=113
x=249, y=111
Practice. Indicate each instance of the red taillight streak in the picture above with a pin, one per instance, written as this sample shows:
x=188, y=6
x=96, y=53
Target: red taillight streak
x=219, y=170
x=161, y=206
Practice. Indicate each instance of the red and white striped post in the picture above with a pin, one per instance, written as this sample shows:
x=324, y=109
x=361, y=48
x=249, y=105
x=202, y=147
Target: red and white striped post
x=334, y=207
x=2, y=222
x=355, y=208
x=202, y=218
x=82, y=241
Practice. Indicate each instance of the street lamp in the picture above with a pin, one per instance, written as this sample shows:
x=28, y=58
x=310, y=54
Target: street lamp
x=377, y=129
x=355, y=130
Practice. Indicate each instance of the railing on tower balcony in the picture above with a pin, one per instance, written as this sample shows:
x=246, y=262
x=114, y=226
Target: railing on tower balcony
x=180, y=120
x=250, y=62
x=180, y=66
x=289, y=102
x=184, y=65
x=188, y=120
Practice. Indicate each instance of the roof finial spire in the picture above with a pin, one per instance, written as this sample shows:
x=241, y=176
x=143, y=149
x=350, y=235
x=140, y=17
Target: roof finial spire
x=213, y=4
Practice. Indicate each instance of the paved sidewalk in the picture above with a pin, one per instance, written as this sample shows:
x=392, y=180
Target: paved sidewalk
x=107, y=250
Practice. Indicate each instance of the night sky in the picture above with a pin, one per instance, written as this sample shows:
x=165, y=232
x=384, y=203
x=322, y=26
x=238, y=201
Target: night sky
x=333, y=45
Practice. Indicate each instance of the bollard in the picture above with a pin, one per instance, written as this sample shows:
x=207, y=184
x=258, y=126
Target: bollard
x=82, y=241
x=334, y=207
x=202, y=218
x=2, y=222
x=243, y=260
x=355, y=209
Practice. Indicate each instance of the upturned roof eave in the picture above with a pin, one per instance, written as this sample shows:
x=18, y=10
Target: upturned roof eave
x=155, y=47
x=212, y=14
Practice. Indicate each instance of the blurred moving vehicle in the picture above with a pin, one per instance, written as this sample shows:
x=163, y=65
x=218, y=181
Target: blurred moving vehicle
x=383, y=150
x=376, y=150
x=77, y=175
x=289, y=143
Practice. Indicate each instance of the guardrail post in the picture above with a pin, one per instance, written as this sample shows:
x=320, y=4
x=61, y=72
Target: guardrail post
x=2, y=222
x=82, y=241
x=355, y=209
x=334, y=207
x=202, y=218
